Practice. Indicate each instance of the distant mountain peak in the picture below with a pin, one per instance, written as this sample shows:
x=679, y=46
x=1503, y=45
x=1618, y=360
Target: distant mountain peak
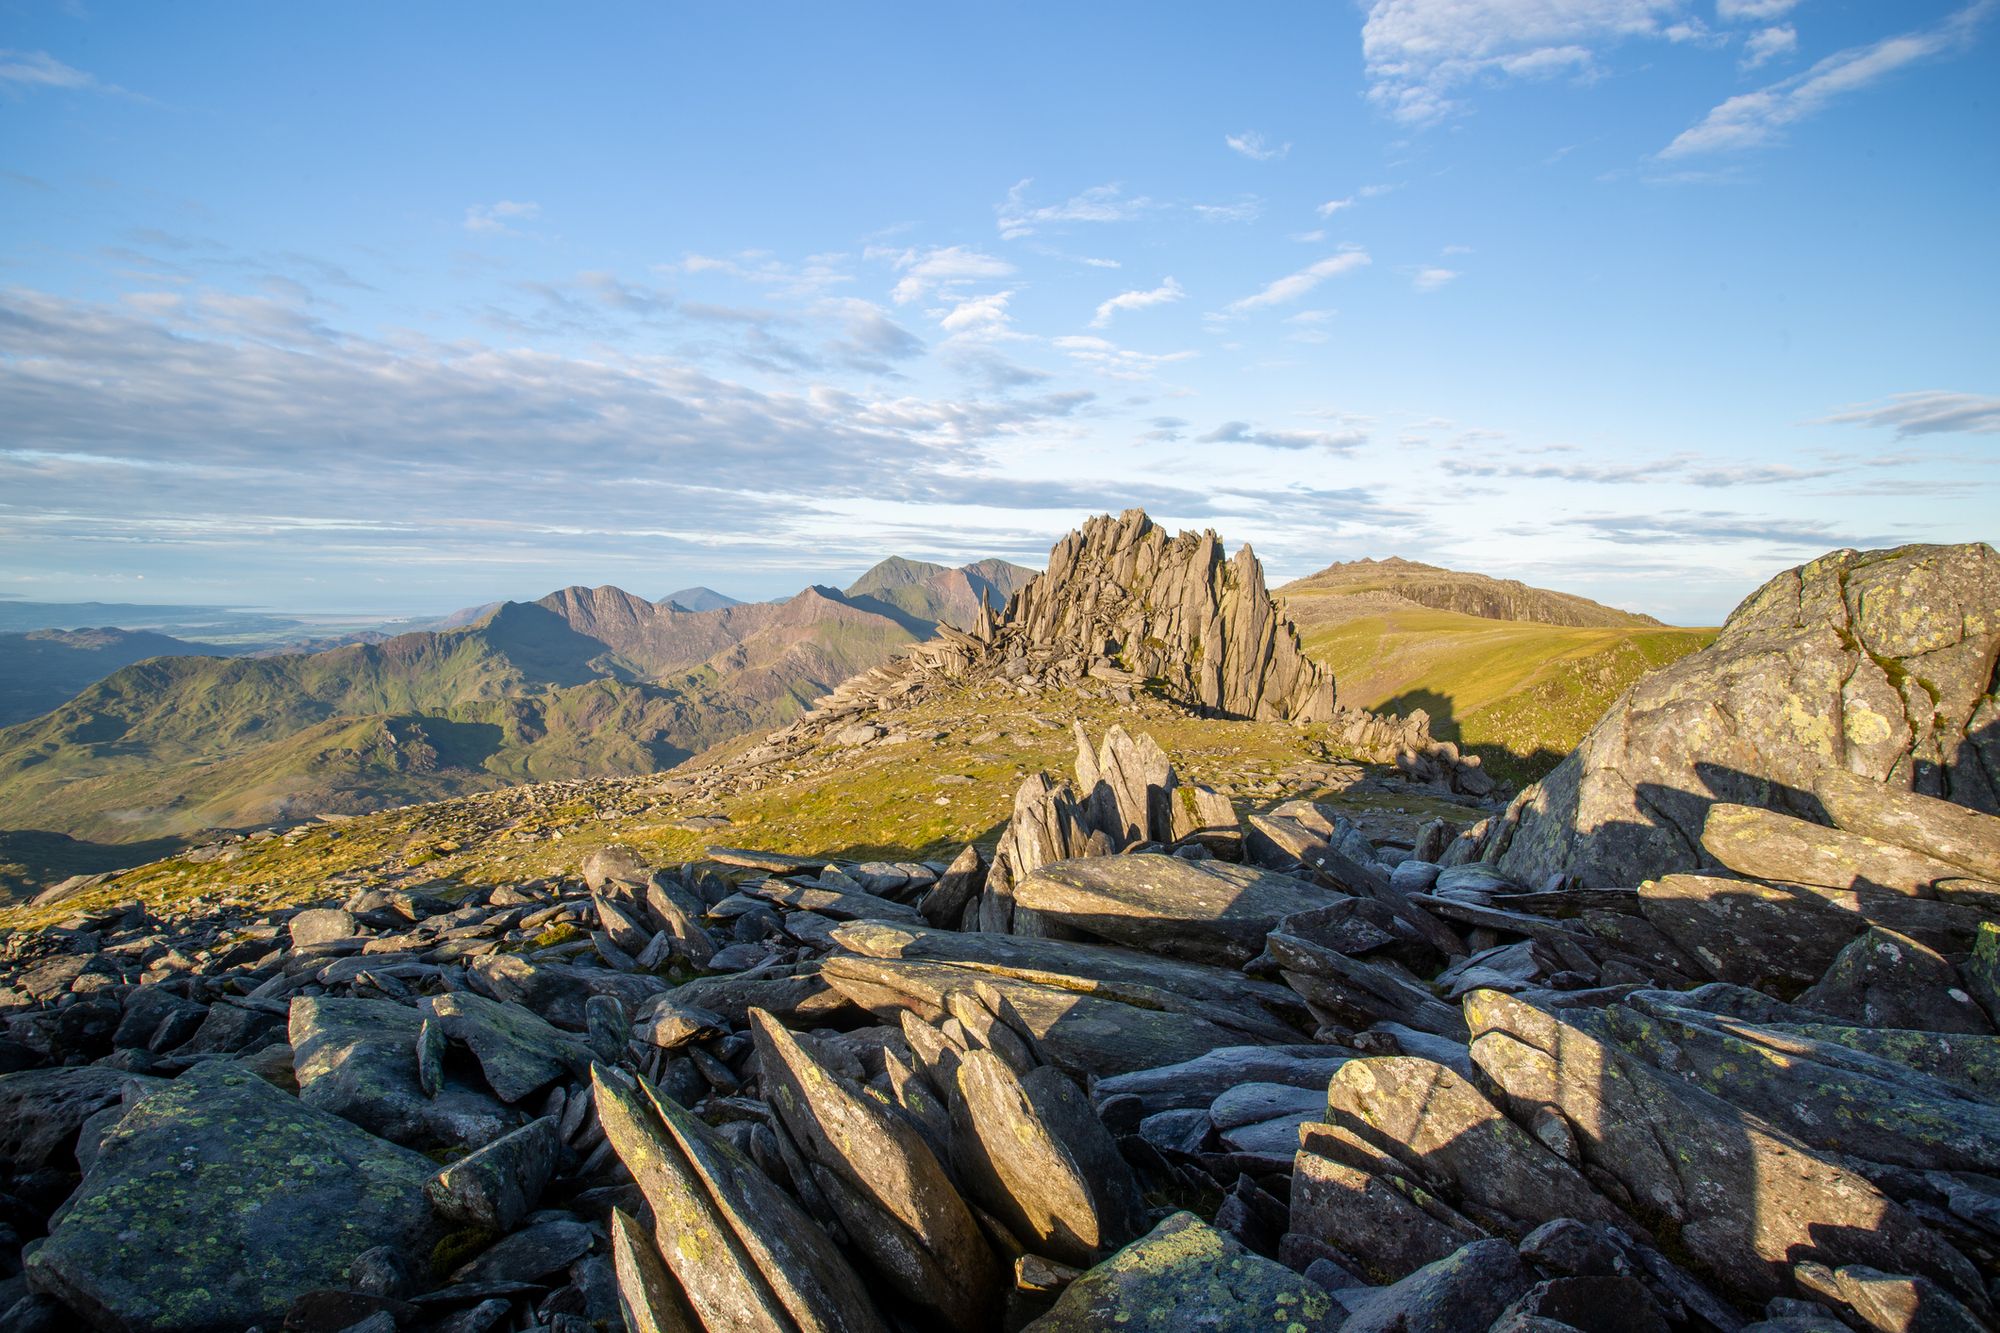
x=699, y=598
x=1468, y=594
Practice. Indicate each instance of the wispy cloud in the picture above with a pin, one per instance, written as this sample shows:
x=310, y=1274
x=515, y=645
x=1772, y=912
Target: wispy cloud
x=1431, y=279
x=978, y=315
x=499, y=219
x=1166, y=292
x=1752, y=120
x=1100, y=203
x=22, y=71
x=1737, y=11
x=1420, y=52
x=1767, y=44
x=811, y=276
x=1928, y=412
x=1251, y=144
x=1294, y=285
x=943, y=270
x=1332, y=206
x=1242, y=432
x=1710, y=525
x=1243, y=210
x=1108, y=358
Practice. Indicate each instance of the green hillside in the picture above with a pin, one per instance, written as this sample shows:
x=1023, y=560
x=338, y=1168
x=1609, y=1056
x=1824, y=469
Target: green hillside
x=585, y=683
x=1519, y=693
x=40, y=669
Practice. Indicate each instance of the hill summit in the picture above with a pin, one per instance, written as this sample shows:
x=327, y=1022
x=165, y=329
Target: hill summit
x=1468, y=594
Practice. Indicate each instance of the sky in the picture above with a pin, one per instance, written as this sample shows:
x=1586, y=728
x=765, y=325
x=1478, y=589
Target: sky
x=400, y=308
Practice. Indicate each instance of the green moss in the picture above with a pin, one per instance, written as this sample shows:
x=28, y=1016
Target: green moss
x=456, y=1247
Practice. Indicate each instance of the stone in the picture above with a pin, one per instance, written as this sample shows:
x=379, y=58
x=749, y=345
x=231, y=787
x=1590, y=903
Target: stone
x=1205, y=628
x=1887, y=980
x=1203, y=911
x=1030, y=1150
x=357, y=1059
x=1982, y=970
x=529, y=1254
x=746, y=1256
x=1904, y=818
x=1348, y=1195
x=42, y=1110
x=498, y=1185
x=558, y=992
x=668, y=1023
x=1349, y=992
x=218, y=1201
x=1273, y=1013
x=1595, y=1304
x=1084, y=1035
x=1198, y=1082
x=648, y=1296
x=1462, y=1293
x=1436, y=1121
x=1740, y=1197
x=518, y=1052
x=1817, y=670
x=317, y=925
x=890, y=1192
x=1895, y=1302
x=1768, y=845
x=944, y=904
x=1186, y=1275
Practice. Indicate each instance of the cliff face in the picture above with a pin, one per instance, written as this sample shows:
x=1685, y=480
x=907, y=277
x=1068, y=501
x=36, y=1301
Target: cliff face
x=1172, y=609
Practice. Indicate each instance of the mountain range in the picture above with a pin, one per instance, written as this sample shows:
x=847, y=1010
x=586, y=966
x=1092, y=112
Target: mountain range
x=584, y=681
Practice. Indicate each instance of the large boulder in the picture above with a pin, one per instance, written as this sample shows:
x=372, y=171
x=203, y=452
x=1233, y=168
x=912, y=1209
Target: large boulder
x=1877, y=662
x=219, y=1200
x=357, y=1059
x=1203, y=911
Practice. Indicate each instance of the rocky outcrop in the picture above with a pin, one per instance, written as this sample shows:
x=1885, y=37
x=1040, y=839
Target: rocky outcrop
x=1453, y=590
x=1878, y=663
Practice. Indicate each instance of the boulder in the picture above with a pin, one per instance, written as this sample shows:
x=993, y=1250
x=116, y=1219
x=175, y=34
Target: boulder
x=1203, y=911
x=518, y=1052
x=1186, y=1275
x=1891, y=814
x=1467, y=1290
x=41, y=1111
x=357, y=1059
x=1878, y=662
x=317, y=925
x=746, y=1256
x=498, y=1185
x=891, y=1194
x=1030, y=1150
x=218, y=1201
x=1767, y=845
x=1887, y=980
x=1740, y=1197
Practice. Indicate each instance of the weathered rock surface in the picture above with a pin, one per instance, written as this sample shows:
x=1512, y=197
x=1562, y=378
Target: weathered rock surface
x=357, y=1059
x=1184, y=1274
x=1879, y=663
x=1204, y=911
x=219, y=1200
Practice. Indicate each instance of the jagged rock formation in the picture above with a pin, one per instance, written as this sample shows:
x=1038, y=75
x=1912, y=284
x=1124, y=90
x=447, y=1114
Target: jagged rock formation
x=1468, y=594
x=1881, y=663
x=1173, y=610
x=1122, y=605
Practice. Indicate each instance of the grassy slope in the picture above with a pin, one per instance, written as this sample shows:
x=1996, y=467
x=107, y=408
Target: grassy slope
x=881, y=802
x=1520, y=694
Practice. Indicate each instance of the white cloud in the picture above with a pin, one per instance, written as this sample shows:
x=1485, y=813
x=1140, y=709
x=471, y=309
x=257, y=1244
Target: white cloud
x=21, y=70
x=1294, y=285
x=1752, y=120
x=1108, y=358
x=1241, y=432
x=812, y=276
x=1332, y=206
x=1100, y=203
x=1313, y=237
x=978, y=315
x=1137, y=300
x=1734, y=11
x=1246, y=210
x=1430, y=279
x=1927, y=412
x=1419, y=52
x=941, y=269
x=1767, y=44
x=1251, y=145
x=495, y=218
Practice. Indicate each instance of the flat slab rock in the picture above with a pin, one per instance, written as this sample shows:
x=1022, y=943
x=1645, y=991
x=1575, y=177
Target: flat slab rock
x=358, y=1060
x=1205, y=911
x=1185, y=1274
x=219, y=1200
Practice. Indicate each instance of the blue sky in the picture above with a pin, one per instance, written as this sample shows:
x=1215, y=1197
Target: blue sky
x=400, y=308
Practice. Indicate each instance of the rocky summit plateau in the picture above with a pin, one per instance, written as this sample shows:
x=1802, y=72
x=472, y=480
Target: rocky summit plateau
x=1260, y=1010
